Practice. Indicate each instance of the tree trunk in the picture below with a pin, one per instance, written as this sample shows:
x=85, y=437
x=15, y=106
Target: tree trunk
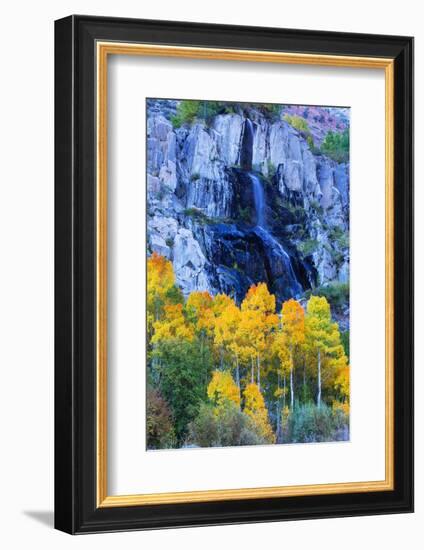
x=284, y=391
x=203, y=358
x=319, y=379
x=252, y=373
x=291, y=381
x=237, y=373
x=304, y=380
x=291, y=388
x=278, y=431
x=258, y=363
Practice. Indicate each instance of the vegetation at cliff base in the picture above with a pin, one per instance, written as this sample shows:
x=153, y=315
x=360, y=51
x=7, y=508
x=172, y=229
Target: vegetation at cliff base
x=223, y=374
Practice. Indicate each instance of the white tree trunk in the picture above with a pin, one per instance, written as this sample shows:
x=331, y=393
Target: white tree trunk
x=258, y=363
x=237, y=373
x=291, y=381
x=252, y=372
x=319, y=379
x=291, y=388
x=278, y=431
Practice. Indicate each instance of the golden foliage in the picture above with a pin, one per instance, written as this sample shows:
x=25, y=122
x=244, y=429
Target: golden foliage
x=294, y=322
x=251, y=341
x=174, y=325
x=200, y=306
x=222, y=389
x=160, y=276
x=254, y=406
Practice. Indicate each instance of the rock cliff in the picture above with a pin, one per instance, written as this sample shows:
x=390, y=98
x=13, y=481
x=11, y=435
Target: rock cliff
x=244, y=198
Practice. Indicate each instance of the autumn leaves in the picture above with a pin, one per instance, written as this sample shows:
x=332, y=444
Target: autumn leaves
x=220, y=374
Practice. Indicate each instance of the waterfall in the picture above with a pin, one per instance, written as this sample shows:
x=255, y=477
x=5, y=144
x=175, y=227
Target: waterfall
x=279, y=262
x=259, y=199
x=249, y=126
x=276, y=251
x=273, y=246
x=246, y=150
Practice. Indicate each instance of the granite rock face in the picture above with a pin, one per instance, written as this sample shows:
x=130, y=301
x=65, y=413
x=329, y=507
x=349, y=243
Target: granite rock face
x=203, y=204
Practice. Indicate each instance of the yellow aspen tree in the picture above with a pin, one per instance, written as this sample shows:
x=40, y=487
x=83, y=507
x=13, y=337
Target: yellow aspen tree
x=220, y=302
x=258, y=311
x=199, y=310
x=342, y=386
x=251, y=338
x=323, y=339
x=222, y=389
x=199, y=307
x=160, y=279
x=161, y=290
x=293, y=321
x=173, y=325
x=225, y=334
x=282, y=357
x=255, y=408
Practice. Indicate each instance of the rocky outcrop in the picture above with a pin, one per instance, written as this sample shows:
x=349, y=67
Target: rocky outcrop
x=189, y=262
x=202, y=213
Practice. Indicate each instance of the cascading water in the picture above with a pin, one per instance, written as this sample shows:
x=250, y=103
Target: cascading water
x=259, y=200
x=278, y=254
x=246, y=150
x=274, y=249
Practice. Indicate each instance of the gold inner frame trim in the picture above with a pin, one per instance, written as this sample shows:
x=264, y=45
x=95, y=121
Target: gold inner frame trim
x=103, y=50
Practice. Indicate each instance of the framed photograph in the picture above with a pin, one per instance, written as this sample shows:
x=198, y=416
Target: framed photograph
x=234, y=274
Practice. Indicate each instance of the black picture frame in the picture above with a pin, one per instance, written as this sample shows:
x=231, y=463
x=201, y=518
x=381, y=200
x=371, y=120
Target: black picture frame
x=76, y=510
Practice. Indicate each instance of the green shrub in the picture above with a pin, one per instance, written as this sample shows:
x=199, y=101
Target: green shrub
x=336, y=145
x=196, y=214
x=345, y=337
x=223, y=426
x=297, y=122
x=339, y=236
x=271, y=169
x=297, y=210
x=315, y=205
x=337, y=294
x=309, y=423
x=186, y=112
x=189, y=110
x=160, y=431
x=307, y=247
x=271, y=110
x=311, y=144
x=184, y=370
x=203, y=431
x=340, y=416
